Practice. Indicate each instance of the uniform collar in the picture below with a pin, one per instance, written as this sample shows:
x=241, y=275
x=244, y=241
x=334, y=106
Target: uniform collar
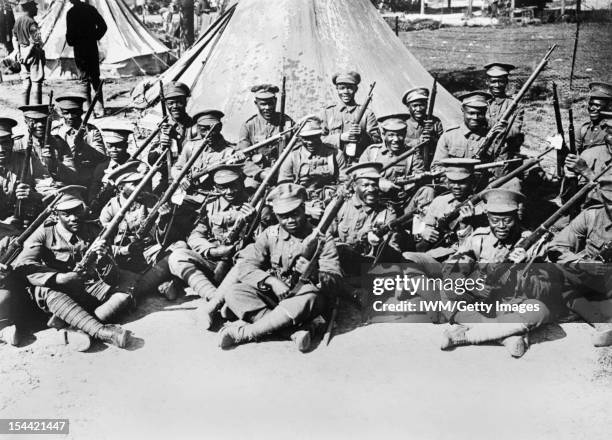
x=349, y=108
x=358, y=204
x=466, y=131
x=284, y=235
x=65, y=233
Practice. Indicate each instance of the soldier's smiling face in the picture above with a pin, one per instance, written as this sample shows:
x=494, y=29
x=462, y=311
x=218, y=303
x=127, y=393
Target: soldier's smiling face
x=177, y=106
x=596, y=105
x=460, y=189
x=266, y=107
x=117, y=150
x=37, y=127
x=6, y=149
x=417, y=109
x=497, y=85
x=72, y=117
x=294, y=220
x=502, y=225
x=394, y=140
x=346, y=92
x=474, y=118
x=367, y=190
x=230, y=191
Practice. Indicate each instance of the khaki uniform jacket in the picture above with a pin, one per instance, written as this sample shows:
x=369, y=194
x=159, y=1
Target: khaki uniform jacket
x=313, y=170
x=583, y=238
x=378, y=153
x=337, y=118
x=215, y=224
x=458, y=141
x=590, y=135
x=274, y=252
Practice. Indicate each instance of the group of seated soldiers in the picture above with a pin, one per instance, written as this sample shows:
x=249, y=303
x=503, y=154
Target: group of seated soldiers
x=261, y=284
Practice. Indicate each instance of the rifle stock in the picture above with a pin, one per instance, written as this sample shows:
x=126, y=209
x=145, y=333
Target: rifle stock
x=490, y=137
x=111, y=228
x=351, y=148
x=429, y=147
x=147, y=225
x=16, y=245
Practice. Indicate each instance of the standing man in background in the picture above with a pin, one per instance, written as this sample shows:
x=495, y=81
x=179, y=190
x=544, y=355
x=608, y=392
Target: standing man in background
x=84, y=28
x=7, y=21
x=30, y=52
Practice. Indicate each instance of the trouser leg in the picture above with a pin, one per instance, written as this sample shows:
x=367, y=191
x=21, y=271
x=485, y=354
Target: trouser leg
x=26, y=89
x=65, y=308
x=194, y=270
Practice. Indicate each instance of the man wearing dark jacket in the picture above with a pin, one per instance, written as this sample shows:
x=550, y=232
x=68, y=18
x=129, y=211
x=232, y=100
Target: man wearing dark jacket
x=84, y=28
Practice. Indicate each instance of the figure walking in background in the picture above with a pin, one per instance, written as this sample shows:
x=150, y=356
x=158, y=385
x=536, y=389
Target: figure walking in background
x=30, y=52
x=84, y=28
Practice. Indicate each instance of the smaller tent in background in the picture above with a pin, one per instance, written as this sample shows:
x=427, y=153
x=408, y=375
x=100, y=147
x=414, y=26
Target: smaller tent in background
x=127, y=49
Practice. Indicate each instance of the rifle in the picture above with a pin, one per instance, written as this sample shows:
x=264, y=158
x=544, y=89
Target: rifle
x=111, y=228
x=443, y=224
x=49, y=161
x=351, y=147
x=147, y=225
x=435, y=174
x=162, y=101
x=23, y=173
x=148, y=140
x=563, y=152
x=544, y=229
x=401, y=157
x=283, y=104
x=197, y=176
x=16, y=245
x=429, y=147
x=240, y=233
x=543, y=232
x=81, y=131
x=492, y=137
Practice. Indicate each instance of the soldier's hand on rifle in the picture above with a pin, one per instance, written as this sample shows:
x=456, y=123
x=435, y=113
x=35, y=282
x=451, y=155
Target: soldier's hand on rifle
x=100, y=247
x=430, y=234
x=221, y=251
x=576, y=163
x=518, y=255
x=352, y=135
x=314, y=209
x=165, y=209
x=238, y=156
x=69, y=279
x=280, y=289
x=4, y=270
x=247, y=211
x=301, y=264
x=164, y=134
x=466, y=211
x=499, y=127
x=386, y=185
x=22, y=191
x=373, y=239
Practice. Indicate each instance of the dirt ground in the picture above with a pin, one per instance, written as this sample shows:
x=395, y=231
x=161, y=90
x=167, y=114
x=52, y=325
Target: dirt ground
x=380, y=380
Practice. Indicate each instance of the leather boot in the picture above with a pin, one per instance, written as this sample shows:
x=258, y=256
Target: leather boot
x=76, y=340
x=114, y=335
x=479, y=333
x=240, y=332
x=516, y=345
x=170, y=290
x=603, y=335
x=303, y=336
x=114, y=306
x=38, y=93
x=208, y=312
x=9, y=336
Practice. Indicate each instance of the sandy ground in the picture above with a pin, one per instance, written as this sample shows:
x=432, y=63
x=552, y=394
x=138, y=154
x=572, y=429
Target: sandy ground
x=375, y=381
x=382, y=380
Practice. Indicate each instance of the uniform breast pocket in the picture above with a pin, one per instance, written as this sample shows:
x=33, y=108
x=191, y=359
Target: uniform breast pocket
x=595, y=243
x=457, y=151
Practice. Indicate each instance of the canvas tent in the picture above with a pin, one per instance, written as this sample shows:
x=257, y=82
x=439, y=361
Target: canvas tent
x=260, y=41
x=127, y=49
